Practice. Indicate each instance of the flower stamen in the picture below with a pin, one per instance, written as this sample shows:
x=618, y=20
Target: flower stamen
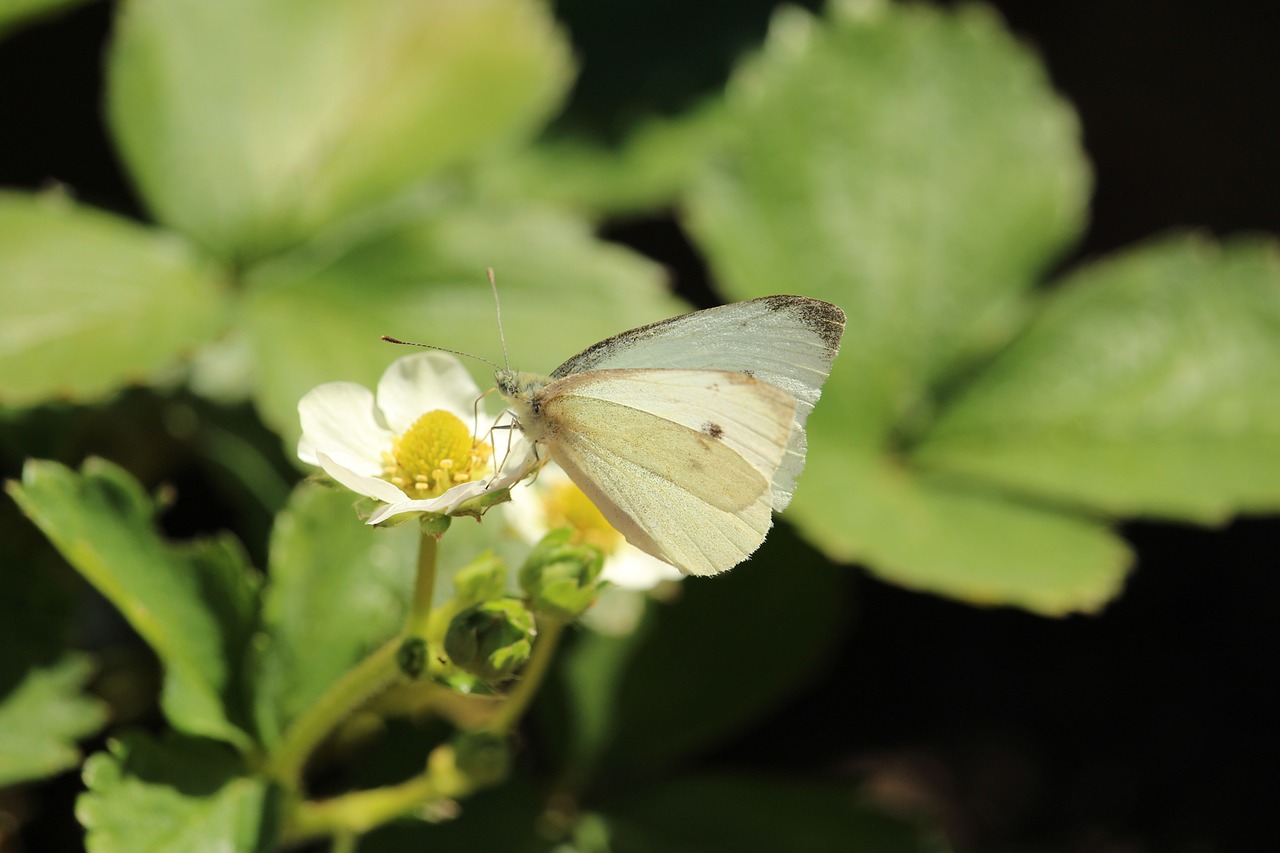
x=436, y=452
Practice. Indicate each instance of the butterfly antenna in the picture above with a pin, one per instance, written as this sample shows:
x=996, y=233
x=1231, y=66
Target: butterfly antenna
x=392, y=340
x=497, y=305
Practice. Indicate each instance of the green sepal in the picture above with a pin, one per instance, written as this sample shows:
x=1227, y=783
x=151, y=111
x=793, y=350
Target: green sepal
x=561, y=578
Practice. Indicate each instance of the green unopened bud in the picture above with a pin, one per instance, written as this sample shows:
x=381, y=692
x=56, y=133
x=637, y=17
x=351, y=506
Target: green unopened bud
x=485, y=757
x=492, y=639
x=411, y=657
x=559, y=577
x=482, y=579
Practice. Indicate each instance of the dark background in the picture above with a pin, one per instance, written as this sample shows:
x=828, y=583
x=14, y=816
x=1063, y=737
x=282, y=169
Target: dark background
x=1146, y=728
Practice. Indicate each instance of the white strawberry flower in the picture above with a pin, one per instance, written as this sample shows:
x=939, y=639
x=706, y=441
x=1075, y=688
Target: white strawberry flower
x=420, y=444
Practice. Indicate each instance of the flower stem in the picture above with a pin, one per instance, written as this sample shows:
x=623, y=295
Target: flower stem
x=368, y=678
x=526, y=688
x=362, y=811
x=424, y=586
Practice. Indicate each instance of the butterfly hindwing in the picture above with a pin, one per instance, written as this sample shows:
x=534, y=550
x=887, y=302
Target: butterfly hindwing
x=696, y=495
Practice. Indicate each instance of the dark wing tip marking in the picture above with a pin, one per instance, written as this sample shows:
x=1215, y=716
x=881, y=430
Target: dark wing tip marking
x=826, y=320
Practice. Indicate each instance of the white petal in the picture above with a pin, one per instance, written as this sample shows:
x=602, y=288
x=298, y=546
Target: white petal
x=449, y=501
x=370, y=487
x=422, y=383
x=631, y=568
x=339, y=419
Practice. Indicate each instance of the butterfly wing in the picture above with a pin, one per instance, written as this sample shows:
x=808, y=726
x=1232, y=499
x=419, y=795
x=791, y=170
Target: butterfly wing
x=786, y=341
x=680, y=462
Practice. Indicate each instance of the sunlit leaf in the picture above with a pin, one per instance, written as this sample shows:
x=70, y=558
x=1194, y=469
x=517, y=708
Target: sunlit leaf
x=915, y=167
x=1148, y=385
x=43, y=717
x=316, y=315
x=181, y=794
x=252, y=125
x=193, y=604
x=911, y=165
x=338, y=590
x=644, y=174
x=90, y=302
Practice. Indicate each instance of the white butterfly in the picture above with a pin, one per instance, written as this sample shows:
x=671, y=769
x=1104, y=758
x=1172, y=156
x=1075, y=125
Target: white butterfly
x=689, y=432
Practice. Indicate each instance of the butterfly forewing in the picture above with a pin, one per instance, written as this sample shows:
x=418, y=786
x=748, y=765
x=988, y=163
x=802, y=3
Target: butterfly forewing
x=786, y=341
x=750, y=417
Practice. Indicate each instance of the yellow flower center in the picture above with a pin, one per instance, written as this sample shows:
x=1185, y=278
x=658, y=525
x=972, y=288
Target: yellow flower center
x=435, y=453
x=565, y=504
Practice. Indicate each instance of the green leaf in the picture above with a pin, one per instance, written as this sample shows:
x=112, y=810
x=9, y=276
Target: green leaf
x=647, y=173
x=16, y=13
x=912, y=166
x=948, y=536
x=745, y=814
x=193, y=603
x=181, y=794
x=1147, y=385
x=38, y=604
x=43, y=717
x=316, y=315
x=338, y=589
x=757, y=634
x=90, y=302
x=253, y=125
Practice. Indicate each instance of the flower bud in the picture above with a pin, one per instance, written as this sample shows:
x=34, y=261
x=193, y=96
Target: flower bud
x=411, y=657
x=560, y=577
x=483, y=578
x=492, y=639
x=485, y=757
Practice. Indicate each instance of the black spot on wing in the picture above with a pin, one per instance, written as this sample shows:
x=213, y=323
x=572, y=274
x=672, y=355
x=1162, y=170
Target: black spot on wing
x=714, y=430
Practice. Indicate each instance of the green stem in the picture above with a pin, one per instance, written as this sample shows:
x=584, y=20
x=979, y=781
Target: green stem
x=424, y=586
x=345, y=842
x=531, y=679
x=362, y=811
x=366, y=679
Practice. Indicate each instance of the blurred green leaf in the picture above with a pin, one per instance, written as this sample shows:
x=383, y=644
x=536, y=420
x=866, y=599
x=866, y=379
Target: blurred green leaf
x=646, y=173
x=182, y=794
x=43, y=717
x=913, y=166
x=193, y=603
x=16, y=13
x=745, y=814
x=90, y=302
x=253, y=125
x=758, y=635
x=38, y=602
x=338, y=589
x=950, y=536
x=316, y=315
x=1148, y=385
